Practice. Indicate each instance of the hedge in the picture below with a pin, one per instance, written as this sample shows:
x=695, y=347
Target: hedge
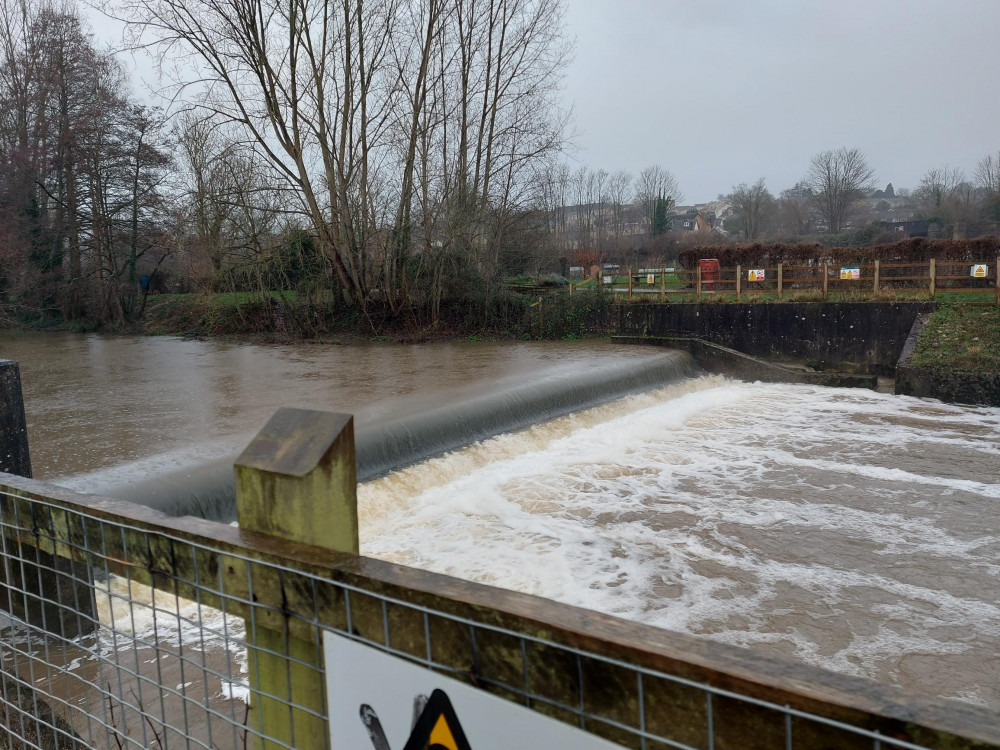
x=915, y=249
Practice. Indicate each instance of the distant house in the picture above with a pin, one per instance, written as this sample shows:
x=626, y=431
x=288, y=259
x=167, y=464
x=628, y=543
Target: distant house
x=903, y=229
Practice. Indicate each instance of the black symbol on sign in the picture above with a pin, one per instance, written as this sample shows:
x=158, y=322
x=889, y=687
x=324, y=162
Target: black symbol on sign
x=435, y=725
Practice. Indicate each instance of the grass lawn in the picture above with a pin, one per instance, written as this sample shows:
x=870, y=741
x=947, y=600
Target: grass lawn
x=961, y=337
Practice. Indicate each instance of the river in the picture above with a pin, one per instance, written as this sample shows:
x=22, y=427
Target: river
x=845, y=528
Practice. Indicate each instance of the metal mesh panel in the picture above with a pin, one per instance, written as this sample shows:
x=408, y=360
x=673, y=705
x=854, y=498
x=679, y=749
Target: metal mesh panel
x=148, y=639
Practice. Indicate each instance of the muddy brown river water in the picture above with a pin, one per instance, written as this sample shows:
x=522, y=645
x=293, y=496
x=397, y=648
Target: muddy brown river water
x=849, y=529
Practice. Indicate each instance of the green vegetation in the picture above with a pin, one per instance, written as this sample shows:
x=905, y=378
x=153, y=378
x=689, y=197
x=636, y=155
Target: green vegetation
x=960, y=337
x=546, y=312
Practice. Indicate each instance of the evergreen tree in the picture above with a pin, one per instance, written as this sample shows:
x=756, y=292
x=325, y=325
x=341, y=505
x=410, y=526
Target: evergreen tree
x=662, y=222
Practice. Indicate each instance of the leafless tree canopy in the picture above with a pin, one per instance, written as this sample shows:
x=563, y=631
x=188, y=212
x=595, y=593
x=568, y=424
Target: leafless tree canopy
x=838, y=180
x=753, y=204
x=655, y=182
x=406, y=129
x=83, y=181
x=988, y=173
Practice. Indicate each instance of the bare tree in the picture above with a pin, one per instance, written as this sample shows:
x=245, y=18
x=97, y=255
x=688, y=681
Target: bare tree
x=936, y=189
x=653, y=183
x=401, y=126
x=619, y=199
x=988, y=173
x=752, y=203
x=794, y=211
x=838, y=180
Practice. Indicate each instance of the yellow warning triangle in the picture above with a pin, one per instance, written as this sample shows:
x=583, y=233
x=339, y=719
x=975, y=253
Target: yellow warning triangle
x=441, y=735
x=438, y=727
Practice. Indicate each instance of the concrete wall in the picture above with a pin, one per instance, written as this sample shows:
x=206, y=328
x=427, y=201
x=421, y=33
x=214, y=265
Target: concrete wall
x=979, y=389
x=862, y=336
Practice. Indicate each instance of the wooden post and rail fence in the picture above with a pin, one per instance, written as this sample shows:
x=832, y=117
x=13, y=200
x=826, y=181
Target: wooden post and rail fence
x=292, y=571
x=922, y=280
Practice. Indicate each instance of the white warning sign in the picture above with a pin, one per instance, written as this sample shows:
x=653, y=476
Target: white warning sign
x=378, y=701
x=755, y=274
x=979, y=271
x=851, y=272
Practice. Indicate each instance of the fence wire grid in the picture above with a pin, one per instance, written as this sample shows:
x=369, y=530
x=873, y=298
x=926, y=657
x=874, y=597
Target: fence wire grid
x=110, y=661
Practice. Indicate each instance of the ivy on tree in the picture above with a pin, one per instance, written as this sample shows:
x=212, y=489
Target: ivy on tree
x=662, y=223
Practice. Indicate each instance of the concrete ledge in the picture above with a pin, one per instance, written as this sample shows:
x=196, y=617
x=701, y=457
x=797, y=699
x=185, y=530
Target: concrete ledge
x=978, y=389
x=856, y=336
x=725, y=361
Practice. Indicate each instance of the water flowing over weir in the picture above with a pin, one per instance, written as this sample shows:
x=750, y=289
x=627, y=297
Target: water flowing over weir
x=207, y=489
x=848, y=529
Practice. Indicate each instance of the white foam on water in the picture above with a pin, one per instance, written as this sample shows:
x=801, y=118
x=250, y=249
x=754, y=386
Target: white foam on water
x=846, y=528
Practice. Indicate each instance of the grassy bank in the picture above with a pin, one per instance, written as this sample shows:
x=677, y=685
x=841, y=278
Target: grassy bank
x=960, y=337
x=555, y=314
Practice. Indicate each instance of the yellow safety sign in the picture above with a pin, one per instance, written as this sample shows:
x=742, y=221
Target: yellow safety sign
x=438, y=727
x=650, y=278
x=755, y=274
x=980, y=271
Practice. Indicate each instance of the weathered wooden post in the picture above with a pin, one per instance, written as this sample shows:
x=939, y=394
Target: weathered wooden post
x=663, y=285
x=630, y=284
x=296, y=481
x=826, y=280
x=50, y=592
x=15, y=458
x=781, y=280
x=739, y=280
x=698, y=279
x=878, y=268
x=933, y=274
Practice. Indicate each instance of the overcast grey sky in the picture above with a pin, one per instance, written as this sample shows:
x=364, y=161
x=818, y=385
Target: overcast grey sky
x=727, y=91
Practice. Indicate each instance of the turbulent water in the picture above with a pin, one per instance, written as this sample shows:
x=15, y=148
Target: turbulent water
x=845, y=528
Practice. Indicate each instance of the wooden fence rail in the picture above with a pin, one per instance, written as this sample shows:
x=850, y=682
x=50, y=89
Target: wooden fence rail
x=924, y=279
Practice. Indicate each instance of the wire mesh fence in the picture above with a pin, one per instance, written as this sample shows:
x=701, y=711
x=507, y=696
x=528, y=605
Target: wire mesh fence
x=129, y=629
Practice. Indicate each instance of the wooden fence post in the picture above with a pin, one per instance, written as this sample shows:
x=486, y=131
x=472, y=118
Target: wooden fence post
x=630, y=283
x=739, y=280
x=48, y=591
x=826, y=280
x=781, y=280
x=296, y=481
x=663, y=284
x=877, y=270
x=15, y=458
x=933, y=273
x=697, y=276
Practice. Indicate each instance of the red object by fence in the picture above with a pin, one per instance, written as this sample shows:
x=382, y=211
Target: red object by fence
x=710, y=272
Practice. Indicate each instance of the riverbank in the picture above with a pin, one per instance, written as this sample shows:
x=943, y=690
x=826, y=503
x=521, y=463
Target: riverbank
x=286, y=316
x=956, y=357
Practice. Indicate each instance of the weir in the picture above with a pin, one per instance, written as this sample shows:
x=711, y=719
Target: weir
x=207, y=490
x=263, y=610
